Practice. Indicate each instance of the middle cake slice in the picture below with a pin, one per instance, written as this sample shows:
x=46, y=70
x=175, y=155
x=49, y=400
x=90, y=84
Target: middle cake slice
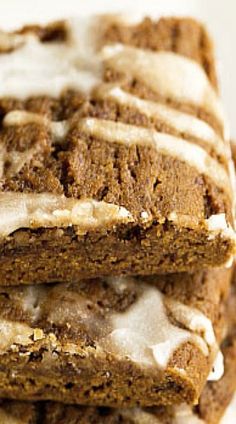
x=113, y=341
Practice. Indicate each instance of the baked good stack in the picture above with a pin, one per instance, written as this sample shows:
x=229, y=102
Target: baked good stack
x=116, y=225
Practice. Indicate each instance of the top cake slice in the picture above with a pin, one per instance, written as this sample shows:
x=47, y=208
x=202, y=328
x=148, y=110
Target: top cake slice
x=114, y=151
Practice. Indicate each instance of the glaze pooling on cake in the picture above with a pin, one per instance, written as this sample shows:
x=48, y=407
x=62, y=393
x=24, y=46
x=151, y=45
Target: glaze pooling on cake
x=49, y=68
x=146, y=335
x=143, y=332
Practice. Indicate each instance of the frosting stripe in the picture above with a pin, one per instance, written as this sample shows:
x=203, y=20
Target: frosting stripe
x=182, y=122
x=118, y=132
x=35, y=210
x=168, y=74
x=18, y=159
x=58, y=129
x=26, y=210
x=193, y=155
x=34, y=68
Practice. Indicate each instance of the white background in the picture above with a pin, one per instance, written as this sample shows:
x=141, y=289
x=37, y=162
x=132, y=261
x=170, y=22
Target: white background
x=219, y=15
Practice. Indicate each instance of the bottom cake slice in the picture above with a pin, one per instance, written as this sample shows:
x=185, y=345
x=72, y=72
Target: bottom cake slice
x=216, y=400
x=117, y=342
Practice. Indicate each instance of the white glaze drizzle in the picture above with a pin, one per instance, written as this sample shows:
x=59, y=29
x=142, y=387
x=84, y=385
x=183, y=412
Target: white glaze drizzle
x=35, y=68
x=139, y=416
x=166, y=73
x=145, y=334
x=144, y=331
x=218, y=368
x=9, y=41
x=77, y=64
x=33, y=210
x=215, y=225
x=14, y=333
x=15, y=160
x=180, y=121
x=192, y=319
x=26, y=210
x=193, y=155
x=185, y=415
x=59, y=129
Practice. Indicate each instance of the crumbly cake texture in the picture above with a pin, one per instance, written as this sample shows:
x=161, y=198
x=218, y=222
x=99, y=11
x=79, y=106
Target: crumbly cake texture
x=116, y=342
x=216, y=401
x=114, y=152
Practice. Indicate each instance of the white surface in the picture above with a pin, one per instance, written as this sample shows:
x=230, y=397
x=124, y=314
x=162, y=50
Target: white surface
x=217, y=14
x=230, y=414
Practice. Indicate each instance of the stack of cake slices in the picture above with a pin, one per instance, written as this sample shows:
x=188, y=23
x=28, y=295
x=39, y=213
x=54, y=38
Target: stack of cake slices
x=116, y=226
